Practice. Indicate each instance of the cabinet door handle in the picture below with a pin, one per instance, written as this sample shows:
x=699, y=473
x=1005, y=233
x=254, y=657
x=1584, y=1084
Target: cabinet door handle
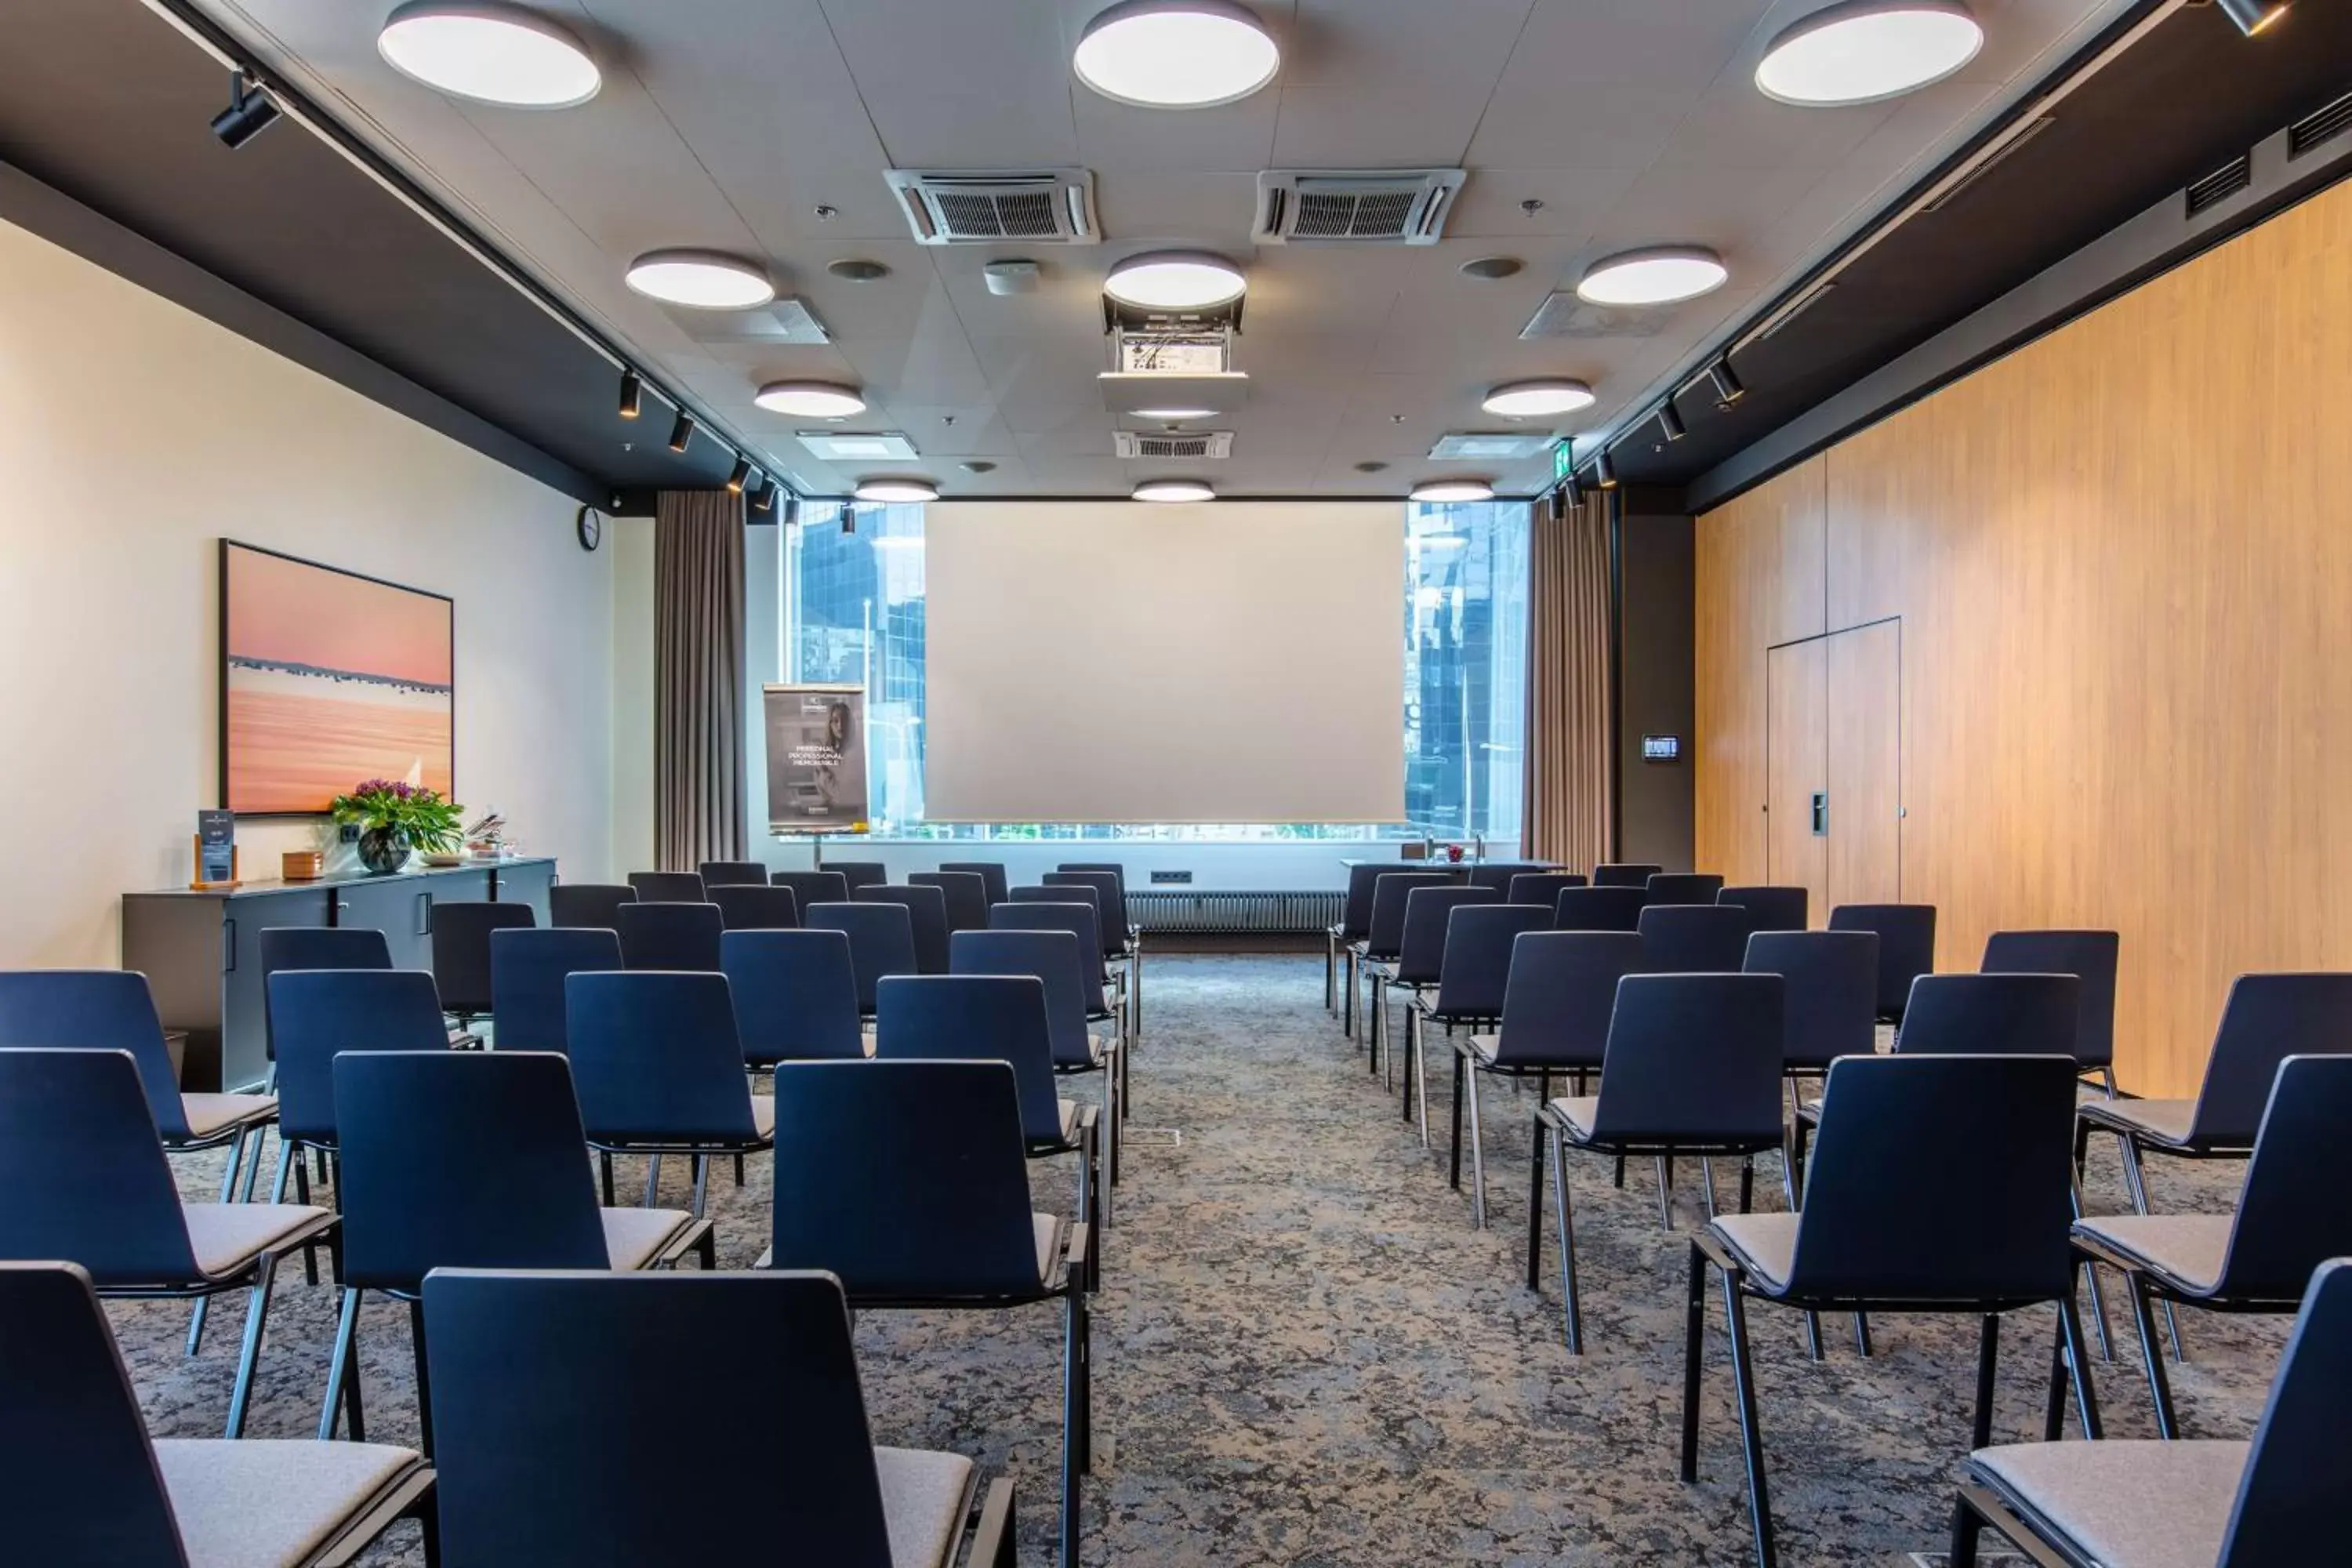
x=425, y=914
x=229, y=945
x=1821, y=813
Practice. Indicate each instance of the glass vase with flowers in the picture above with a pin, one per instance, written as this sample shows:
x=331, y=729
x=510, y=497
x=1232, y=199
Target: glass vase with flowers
x=397, y=818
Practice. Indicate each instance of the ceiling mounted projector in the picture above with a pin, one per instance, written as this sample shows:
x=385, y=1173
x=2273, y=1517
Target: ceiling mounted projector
x=811, y=399
x=1537, y=399
x=488, y=53
x=1176, y=54
x=700, y=280
x=1175, y=280
x=1662, y=275
x=1866, y=50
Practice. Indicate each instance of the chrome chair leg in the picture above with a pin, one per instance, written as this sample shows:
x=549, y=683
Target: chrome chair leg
x=1477, y=1150
x=1665, y=1192
x=653, y=1179
x=1567, y=1240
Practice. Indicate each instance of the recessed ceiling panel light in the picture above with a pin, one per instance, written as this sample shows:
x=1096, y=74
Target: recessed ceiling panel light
x=1662, y=275
x=1865, y=50
x=1175, y=280
x=1454, y=491
x=1174, y=490
x=811, y=399
x=1537, y=399
x=490, y=53
x=704, y=279
x=898, y=491
x=1174, y=413
x=1176, y=54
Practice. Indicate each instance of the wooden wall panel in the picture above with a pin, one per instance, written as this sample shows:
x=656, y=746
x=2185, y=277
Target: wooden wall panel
x=2123, y=559
x=1796, y=768
x=1865, y=689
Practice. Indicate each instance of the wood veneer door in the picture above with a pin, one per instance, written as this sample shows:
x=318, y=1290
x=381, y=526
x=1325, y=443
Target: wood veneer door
x=1796, y=766
x=1866, y=764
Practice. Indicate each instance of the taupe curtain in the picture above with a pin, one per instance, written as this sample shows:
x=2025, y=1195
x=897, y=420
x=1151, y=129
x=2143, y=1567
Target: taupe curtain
x=698, y=715
x=1570, y=774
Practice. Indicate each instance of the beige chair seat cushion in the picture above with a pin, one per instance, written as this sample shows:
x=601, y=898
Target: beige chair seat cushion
x=213, y=1114
x=763, y=1115
x=1578, y=1112
x=2188, y=1248
x=2122, y=1503
x=1765, y=1243
x=2166, y=1120
x=634, y=1238
x=1482, y=1047
x=924, y=1496
x=226, y=1236
x=1048, y=1231
x=265, y=1502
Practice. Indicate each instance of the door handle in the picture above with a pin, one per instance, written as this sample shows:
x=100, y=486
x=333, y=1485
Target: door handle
x=425, y=914
x=229, y=946
x=1821, y=813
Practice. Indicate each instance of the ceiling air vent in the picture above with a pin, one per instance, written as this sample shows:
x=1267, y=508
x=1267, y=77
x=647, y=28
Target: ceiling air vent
x=1563, y=315
x=1489, y=445
x=2320, y=125
x=2221, y=184
x=1335, y=206
x=1053, y=206
x=1174, y=444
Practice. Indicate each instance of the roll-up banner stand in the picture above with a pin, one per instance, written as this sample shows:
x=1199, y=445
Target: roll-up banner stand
x=816, y=759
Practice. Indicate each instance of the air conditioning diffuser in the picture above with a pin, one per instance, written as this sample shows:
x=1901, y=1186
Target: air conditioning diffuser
x=1489, y=445
x=1173, y=444
x=1340, y=206
x=1049, y=206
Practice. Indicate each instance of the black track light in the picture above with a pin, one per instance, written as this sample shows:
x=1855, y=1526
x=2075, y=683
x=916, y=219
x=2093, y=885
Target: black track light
x=1604, y=476
x=1727, y=390
x=681, y=432
x=1671, y=422
x=250, y=112
x=2254, y=16
x=765, y=502
x=792, y=510
x=741, y=477
x=1572, y=493
x=632, y=394
x=848, y=519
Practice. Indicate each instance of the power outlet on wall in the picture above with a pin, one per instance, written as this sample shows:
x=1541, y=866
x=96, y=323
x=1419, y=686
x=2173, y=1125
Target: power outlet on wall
x=1164, y=879
x=347, y=833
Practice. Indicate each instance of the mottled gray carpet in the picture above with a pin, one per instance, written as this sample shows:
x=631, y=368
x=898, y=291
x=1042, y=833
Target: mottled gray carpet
x=1306, y=1355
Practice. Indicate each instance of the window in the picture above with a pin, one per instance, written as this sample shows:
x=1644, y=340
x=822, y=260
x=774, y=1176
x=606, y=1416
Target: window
x=853, y=613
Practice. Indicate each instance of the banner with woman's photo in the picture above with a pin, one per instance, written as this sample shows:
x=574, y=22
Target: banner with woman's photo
x=816, y=758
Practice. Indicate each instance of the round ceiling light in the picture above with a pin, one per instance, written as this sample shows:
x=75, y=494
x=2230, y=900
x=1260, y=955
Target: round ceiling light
x=490, y=53
x=1176, y=54
x=1175, y=280
x=811, y=399
x=1865, y=50
x=903, y=492
x=1662, y=275
x=1174, y=490
x=1537, y=399
x=1173, y=413
x=702, y=280
x=1454, y=489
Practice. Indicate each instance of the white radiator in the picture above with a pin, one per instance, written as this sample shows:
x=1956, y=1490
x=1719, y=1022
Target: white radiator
x=1170, y=911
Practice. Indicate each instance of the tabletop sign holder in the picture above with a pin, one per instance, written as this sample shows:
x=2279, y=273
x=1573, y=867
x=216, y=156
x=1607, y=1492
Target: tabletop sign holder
x=214, y=844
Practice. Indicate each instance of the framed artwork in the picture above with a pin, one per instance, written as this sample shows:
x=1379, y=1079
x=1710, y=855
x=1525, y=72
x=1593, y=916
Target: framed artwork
x=328, y=678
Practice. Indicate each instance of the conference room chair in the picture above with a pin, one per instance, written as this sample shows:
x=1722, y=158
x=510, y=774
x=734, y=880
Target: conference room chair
x=2278, y=1499
x=1495, y=875
x=990, y=873
x=744, y=907
x=813, y=887
x=1691, y=1066
x=796, y=996
x=590, y=905
x=1473, y=980
x=794, y=1478
x=314, y=947
x=1625, y=874
x=1340, y=940
x=1421, y=955
x=1064, y=887
x=1829, y=1003
x=1942, y=1185
x=1117, y=922
x=1906, y=947
x=461, y=953
x=1110, y=904
x=860, y=873
x=1053, y=958
x=1075, y=915
x=1383, y=941
x=1695, y=939
x=1598, y=908
x=668, y=886
x=881, y=942
x=905, y=1181
x=1682, y=887
x=1541, y=887
x=2290, y=1218
x=1773, y=908
x=2090, y=955
x=926, y=920
x=733, y=874
x=84, y=1111
x=468, y=1159
x=965, y=892
x=527, y=969
x=659, y=1068
x=85, y=1482
x=670, y=936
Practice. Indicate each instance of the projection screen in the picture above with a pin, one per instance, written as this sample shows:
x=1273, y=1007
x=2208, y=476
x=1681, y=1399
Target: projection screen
x=1123, y=661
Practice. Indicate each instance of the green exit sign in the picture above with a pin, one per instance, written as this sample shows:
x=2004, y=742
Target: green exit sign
x=1563, y=458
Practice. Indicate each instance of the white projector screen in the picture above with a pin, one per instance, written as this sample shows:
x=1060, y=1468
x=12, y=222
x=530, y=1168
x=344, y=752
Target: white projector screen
x=1125, y=661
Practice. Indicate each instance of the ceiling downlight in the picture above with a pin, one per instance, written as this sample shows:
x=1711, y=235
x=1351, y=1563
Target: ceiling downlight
x=1438, y=490
x=488, y=53
x=1660, y=274
x=1866, y=51
x=811, y=399
x=1175, y=280
x=897, y=491
x=1176, y=54
x=700, y=280
x=1174, y=490
x=1541, y=399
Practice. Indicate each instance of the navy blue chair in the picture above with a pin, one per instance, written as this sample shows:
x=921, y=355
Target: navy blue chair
x=1774, y=909
x=1830, y=999
x=668, y=886
x=813, y=887
x=1495, y=876
x=905, y=1181
x=461, y=953
x=796, y=995
x=527, y=973
x=881, y=942
x=1340, y=941
x=1055, y=960
x=1121, y=940
x=86, y=1110
x=1541, y=887
x=1075, y=915
x=660, y=1070
x=1598, y=908
x=1472, y=977
x=2090, y=956
x=965, y=894
x=1625, y=874
x=670, y=936
x=1906, y=947
x=732, y=874
x=1695, y=939
x=991, y=874
x=85, y=1483
x=1384, y=935
x=744, y=906
x=468, y=1159
x=1117, y=924
x=314, y=947
x=859, y=874
x=797, y=1477
x=1421, y=954
x=926, y=920
x=594, y=906
x=1683, y=887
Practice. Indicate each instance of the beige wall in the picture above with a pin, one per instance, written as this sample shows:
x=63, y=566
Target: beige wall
x=133, y=434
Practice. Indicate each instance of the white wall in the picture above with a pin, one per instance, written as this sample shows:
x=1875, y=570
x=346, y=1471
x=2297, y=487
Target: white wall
x=133, y=434
x=630, y=542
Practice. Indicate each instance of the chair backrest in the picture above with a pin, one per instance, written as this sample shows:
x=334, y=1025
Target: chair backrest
x=1541, y=887
x=1474, y=974
x=1776, y=909
x=1828, y=1001
x=670, y=936
x=81, y=1483
x=1356, y=910
x=1693, y=1059
x=881, y=940
x=906, y=1180
x=1053, y=958
x=83, y=1112
x=1384, y=937
x=2291, y=1212
x=991, y=872
x=733, y=874
x=1907, y=946
x=588, y=905
x=1497, y=874
x=528, y=1481
x=1562, y=988
x=813, y=887
x=1598, y=909
x=976, y=1018
x=319, y=1013
x=796, y=996
x=95, y=1010
x=926, y=920
x=315, y=947
x=461, y=1159
x=668, y=886
x=966, y=893
x=461, y=950
x=2089, y=955
x=1428, y=917
x=2268, y=1018
x=860, y=873
x=745, y=906
x=1111, y=903
x=1683, y=887
x=527, y=972
x=1071, y=913
x=1625, y=874
x=1942, y=1178
x=2292, y=1493
x=1990, y=1014
x=1695, y=939
x=1113, y=867
x=654, y=1057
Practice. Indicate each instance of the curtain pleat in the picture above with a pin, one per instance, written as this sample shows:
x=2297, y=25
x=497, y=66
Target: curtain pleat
x=699, y=714
x=1570, y=774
